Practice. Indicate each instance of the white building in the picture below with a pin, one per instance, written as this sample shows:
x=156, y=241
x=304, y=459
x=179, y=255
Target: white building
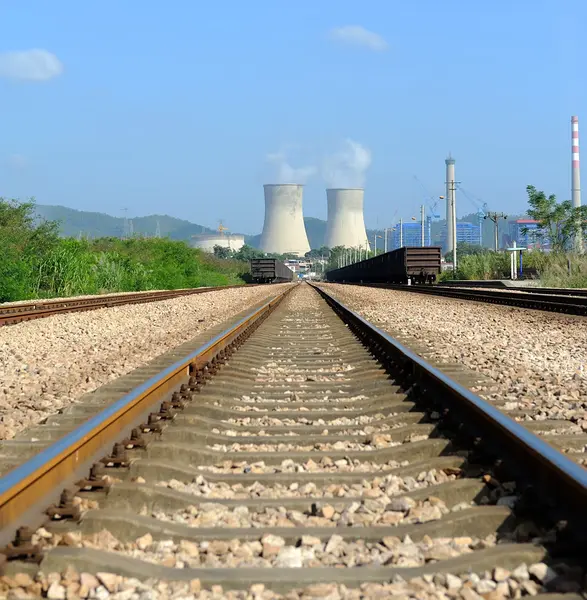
x=207, y=241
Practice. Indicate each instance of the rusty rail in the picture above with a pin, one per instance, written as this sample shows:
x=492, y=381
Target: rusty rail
x=10, y=315
x=27, y=490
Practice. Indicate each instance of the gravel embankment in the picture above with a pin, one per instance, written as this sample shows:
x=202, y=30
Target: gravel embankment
x=47, y=364
x=537, y=360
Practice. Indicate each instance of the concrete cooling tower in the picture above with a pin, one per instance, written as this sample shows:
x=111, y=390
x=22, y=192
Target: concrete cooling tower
x=284, y=231
x=346, y=225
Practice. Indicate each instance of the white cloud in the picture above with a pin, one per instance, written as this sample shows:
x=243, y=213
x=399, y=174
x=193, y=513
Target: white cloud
x=32, y=65
x=18, y=161
x=285, y=173
x=359, y=36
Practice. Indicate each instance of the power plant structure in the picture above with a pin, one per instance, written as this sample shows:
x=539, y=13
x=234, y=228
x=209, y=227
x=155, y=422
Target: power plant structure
x=207, y=241
x=451, y=213
x=345, y=222
x=284, y=231
x=576, y=177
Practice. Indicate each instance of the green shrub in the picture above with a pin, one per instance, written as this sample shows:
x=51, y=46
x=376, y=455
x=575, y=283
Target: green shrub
x=36, y=263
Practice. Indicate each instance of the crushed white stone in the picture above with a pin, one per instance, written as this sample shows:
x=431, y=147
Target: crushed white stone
x=377, y=486
x=537, y=360
x=47, y=364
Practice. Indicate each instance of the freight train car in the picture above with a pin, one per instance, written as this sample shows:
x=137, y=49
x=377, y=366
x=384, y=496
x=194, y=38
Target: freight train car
x=270, y=270
x=404, y=265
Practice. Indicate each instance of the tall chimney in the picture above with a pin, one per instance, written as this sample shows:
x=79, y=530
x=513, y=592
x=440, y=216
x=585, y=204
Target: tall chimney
x=450, y=194
x=576, y=177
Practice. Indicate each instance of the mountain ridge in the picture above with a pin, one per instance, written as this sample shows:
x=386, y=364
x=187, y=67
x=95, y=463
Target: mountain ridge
x=80, y=223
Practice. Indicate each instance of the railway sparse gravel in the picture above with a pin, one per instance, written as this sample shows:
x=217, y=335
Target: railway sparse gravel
x=537, y=360
x=47, y=364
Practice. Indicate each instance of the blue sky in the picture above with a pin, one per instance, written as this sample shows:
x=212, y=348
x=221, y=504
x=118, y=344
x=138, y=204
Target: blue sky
x=173, y=107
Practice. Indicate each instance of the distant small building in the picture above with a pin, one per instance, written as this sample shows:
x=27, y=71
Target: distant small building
x=207, y=241
x=524, y=233
x=468, y=233
x=412, y=235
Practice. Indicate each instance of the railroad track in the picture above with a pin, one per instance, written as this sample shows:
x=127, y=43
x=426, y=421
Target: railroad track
x=300, y=437
x=26, y=311
x=525, y=289
x=572, y=305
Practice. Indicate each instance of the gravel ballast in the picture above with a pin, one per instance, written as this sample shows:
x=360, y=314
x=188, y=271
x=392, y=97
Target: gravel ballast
x=46, y=364
x=536, y=359
x=497, y=584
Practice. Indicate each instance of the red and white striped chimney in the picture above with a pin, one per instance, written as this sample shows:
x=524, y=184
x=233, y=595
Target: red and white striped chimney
x=576, y=177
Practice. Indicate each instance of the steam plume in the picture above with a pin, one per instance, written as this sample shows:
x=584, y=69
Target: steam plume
x=347, y=168
x=285, y=173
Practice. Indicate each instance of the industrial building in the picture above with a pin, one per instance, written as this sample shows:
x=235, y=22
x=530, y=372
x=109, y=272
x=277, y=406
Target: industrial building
x=207, y=241
x=469, y=233
x=284, y=231
x=523, y=232
x=411, y=235
x=345, y=222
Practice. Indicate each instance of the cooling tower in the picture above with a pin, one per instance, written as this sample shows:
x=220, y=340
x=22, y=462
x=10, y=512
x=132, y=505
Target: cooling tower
x=284, y=231
x=346, y=225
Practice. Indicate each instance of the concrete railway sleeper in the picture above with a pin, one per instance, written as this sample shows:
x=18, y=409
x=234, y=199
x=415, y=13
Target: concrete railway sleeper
x=306, y=455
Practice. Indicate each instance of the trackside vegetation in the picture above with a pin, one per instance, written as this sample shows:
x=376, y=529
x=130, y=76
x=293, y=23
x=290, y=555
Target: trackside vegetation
x=558, y=223
x=37, y=263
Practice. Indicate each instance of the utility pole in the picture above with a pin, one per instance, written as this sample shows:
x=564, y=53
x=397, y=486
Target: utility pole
x=125, y=227
x=385, y=240
x=422, y=226
x=401, y=233
x=158, y=230
x=452, y=186
x=494, y=216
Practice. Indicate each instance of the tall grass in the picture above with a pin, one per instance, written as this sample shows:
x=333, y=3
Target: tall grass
x=551, y=269
x=36, y=263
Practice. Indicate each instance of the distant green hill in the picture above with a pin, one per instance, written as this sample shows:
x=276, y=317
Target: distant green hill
x=93, y=225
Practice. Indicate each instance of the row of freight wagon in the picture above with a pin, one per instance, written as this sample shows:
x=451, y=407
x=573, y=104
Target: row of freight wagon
x=270, y=270
x=405, y=265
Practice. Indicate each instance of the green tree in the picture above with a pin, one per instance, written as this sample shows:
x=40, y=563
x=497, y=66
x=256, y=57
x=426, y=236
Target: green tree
x=222, y=252
x=558, y=221
x=324, y=251
x=247, y=252
x=465, y=249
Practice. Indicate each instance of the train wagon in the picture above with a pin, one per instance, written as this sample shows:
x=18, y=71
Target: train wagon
x=405, y=265
x=270, y=270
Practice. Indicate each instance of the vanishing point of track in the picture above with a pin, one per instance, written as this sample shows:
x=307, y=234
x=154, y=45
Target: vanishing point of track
x=38, y=309
x=300, y=436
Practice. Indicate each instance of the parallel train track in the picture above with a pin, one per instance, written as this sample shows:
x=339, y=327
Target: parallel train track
x=26, y=311
x=548, y=301
x=301, y=436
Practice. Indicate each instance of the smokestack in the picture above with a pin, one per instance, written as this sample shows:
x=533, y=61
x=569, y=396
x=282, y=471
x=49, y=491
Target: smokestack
x=284, y=231
x=450, y=195
x=346, y=225
x=576, y=178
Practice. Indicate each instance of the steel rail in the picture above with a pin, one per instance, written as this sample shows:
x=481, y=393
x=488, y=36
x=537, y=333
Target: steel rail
x=535, y=301
x=535, y=461
x=10, y=315
x=581, y=293
x=27, y=490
